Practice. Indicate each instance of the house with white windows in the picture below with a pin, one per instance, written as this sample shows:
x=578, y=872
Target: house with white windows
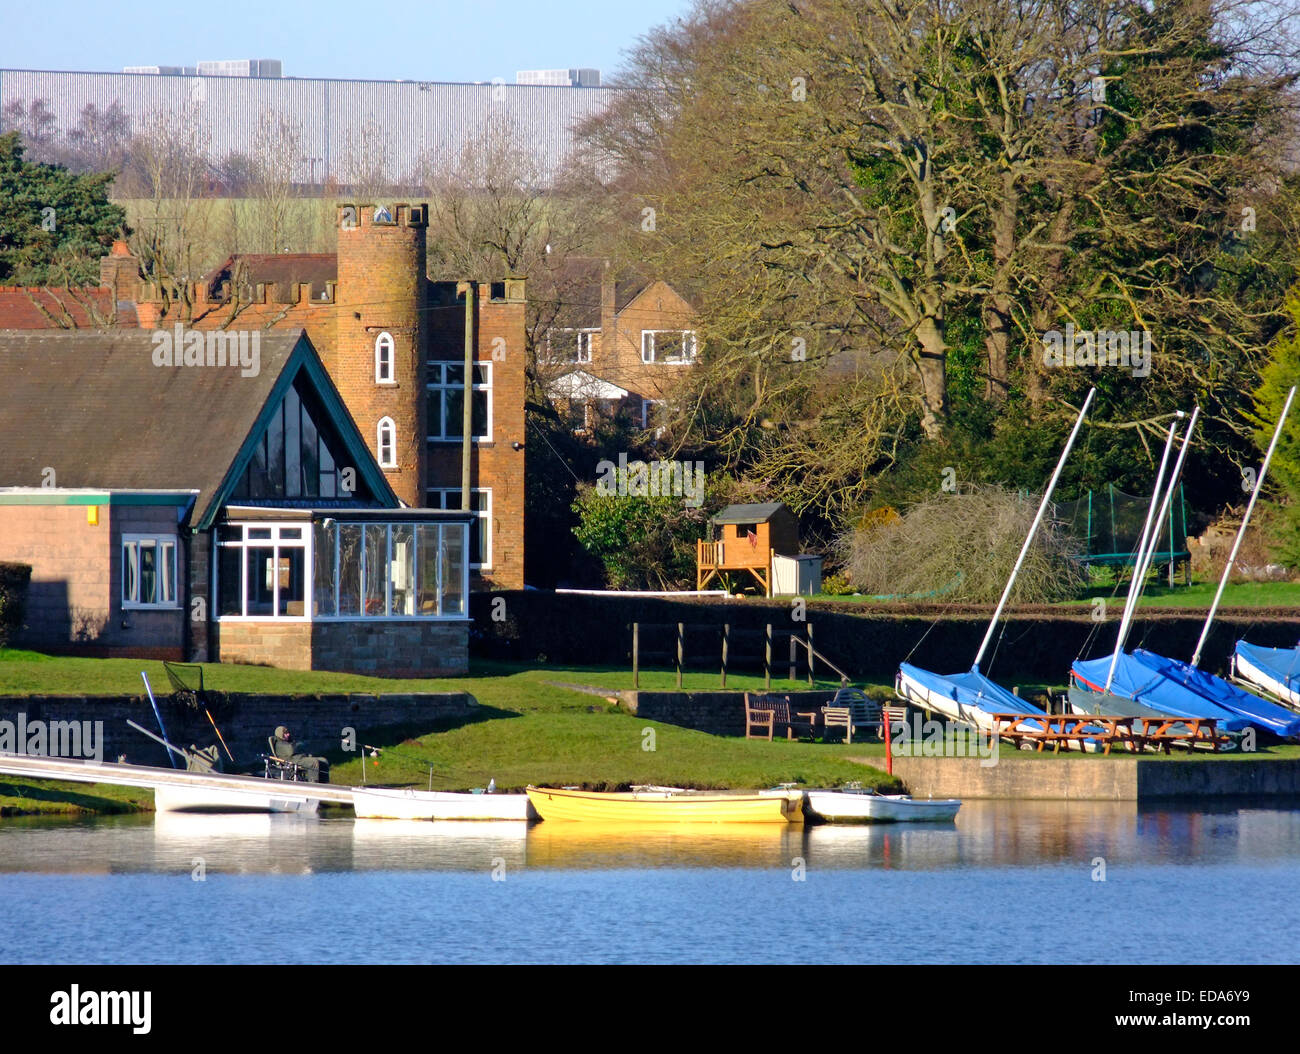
x=208, y=511
x=617, y=341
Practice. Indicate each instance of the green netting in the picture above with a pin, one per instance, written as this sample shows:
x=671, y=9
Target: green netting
x=1109, y=523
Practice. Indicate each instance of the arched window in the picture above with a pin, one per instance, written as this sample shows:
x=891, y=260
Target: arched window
x=384, y=359
x=387, y=443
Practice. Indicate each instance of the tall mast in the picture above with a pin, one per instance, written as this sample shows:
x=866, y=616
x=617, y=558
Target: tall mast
x=1232, y=557
x=1145, y=559
x=1033, y=529
x=1131, y=602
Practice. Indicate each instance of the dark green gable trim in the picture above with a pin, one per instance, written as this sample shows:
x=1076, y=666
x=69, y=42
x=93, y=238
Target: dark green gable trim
x=303, y=358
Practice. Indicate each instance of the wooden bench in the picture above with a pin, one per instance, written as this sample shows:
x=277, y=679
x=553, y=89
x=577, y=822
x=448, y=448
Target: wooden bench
x=769, y=716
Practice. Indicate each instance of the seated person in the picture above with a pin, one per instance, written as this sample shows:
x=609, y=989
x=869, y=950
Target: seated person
x=286, y=749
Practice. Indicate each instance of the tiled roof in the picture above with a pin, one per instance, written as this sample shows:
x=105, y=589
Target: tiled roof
x=95, y=408
x=42, y=307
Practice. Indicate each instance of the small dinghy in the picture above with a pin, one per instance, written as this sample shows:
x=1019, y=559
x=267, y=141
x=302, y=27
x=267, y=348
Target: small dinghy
x=864, y=806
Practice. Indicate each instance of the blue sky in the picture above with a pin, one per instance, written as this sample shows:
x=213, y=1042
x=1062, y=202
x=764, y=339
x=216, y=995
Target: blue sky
x=379, y=40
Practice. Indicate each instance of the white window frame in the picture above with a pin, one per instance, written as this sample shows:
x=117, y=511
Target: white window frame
x=484, y=513
x=276, y=542
x=575, y=354
x=307, y=543
x=386, y=425
x=438, y=370
x=649, y=352
x=158, y=542
x=385, y=367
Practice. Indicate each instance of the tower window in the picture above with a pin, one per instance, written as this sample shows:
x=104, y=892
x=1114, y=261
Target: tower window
x=384, y=359
x=387, y=443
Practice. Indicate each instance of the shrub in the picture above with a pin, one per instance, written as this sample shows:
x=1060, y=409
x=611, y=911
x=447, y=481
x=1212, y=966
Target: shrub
x=962, y=547
x=14, y=580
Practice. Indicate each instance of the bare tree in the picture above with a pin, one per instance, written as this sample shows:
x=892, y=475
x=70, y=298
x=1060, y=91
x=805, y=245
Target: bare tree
x=171, y=237
x=276, y=210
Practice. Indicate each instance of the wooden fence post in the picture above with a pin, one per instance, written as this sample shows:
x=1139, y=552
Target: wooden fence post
x=794, y=656
x=810, y=655
x=636, y=655
x=726, y=633
x=680, y=629
x=767, y=660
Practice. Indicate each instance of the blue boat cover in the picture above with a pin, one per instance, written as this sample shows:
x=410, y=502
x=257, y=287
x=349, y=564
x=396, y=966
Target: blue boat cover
x=1139, y=682
x=971, y=689
x=1281, y=663
x=1260, y=712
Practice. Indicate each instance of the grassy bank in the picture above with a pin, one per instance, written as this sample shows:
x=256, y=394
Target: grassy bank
x=21, y=797
x=531, y=729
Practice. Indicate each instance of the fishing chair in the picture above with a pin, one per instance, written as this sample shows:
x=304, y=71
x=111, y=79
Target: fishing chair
x=277, y=768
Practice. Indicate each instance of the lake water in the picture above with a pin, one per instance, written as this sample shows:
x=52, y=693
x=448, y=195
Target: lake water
x=1009, y=882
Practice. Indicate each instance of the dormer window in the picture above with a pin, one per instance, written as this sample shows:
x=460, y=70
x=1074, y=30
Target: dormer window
x=386, y=442
x=384, y=359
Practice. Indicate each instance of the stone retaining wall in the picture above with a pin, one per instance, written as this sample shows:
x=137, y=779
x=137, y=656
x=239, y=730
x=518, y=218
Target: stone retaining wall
x=245, y=720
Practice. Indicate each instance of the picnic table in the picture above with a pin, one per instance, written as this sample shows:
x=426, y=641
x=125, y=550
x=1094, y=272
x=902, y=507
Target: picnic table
x=1064, y=729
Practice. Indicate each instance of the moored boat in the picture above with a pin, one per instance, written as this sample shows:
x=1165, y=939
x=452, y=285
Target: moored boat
x=663, y=806
x=1272, y=670
x=853, y=806
x=381, y=803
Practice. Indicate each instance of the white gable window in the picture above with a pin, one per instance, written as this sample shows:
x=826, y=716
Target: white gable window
x=386, y=443
x=384, y=359
x=149, y=571
x=672, y=346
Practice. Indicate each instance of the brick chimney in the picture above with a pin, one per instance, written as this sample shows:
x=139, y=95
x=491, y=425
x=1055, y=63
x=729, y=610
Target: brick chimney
x=120, y=270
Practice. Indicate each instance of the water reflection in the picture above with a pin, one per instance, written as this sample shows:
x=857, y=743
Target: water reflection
x=990, y=834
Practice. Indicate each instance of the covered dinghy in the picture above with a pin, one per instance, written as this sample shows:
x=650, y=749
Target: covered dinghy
x=970, y=697
x=1148, y=688
x=1260, y=712
x=1275, y=670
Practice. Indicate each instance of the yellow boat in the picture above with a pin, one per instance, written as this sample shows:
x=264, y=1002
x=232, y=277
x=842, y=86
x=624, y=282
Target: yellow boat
x=663, y=806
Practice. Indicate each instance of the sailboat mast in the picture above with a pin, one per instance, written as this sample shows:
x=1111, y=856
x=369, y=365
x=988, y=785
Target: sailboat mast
x=1145, y=559
x=1131, y=602
x=1241, y=531
x=1033, y=529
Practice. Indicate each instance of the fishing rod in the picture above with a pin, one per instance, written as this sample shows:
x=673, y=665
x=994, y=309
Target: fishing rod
x=157, y=715
x=158, y=739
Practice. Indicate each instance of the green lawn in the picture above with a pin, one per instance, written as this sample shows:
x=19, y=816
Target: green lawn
x=1197, y=596
x=531, y=730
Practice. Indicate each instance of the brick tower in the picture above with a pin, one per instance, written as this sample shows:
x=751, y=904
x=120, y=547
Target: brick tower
x=378, y=362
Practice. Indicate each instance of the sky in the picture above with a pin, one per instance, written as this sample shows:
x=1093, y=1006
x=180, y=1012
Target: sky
x=377, y=40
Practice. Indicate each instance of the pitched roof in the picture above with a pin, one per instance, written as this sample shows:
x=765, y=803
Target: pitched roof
x=748, y=513
x=42, y=307
x=96, y=409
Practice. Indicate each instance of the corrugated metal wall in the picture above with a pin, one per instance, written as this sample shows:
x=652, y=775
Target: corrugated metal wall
x=418, y=117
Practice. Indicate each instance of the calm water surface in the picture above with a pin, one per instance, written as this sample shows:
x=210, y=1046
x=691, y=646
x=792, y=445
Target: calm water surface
x=1010, y=882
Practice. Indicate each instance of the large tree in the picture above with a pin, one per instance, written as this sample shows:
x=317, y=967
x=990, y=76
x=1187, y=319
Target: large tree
x=927, y=187
x=54, y=225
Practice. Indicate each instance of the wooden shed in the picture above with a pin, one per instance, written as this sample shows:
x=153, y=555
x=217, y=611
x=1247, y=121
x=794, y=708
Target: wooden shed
x=743, y=539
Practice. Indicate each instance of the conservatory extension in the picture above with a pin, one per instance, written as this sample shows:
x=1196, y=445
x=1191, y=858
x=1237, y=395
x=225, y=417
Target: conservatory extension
x=365, y=590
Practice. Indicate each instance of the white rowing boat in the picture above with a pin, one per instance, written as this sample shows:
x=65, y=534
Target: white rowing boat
x=380, y=803
x=864, y=807
x=169, y=798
